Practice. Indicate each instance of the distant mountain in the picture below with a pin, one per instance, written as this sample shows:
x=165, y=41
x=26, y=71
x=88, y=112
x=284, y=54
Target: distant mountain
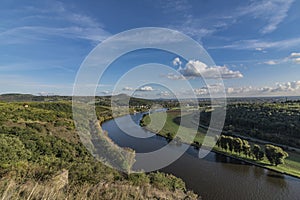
x=16, y=97
x=120, y=99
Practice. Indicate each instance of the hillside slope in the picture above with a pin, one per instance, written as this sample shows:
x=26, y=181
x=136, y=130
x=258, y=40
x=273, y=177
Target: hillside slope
x=41, y=157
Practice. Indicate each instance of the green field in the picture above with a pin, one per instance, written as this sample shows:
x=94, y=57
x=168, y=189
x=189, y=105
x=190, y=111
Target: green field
x=169, y=129
x=171, y=126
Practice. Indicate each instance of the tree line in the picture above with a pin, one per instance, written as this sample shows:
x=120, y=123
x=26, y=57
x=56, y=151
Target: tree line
x=275, y=155
x=274, y=122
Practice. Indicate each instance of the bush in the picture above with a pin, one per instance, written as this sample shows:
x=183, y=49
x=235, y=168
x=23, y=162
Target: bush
x=166, y=181
x=12, y=149
x=139, y=179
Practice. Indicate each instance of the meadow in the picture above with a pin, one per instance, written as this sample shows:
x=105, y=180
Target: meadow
x=291, y=165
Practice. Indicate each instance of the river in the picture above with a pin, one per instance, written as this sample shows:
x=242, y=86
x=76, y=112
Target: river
x=214, y=177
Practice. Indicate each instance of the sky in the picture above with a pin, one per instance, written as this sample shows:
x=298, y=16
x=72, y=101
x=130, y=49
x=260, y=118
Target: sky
x=255, y=46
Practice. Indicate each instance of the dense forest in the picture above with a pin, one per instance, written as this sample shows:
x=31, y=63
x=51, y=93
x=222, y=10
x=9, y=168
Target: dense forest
x=276, y=122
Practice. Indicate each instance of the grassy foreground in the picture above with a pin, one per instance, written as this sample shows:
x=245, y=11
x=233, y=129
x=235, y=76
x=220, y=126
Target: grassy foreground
x=41, y=157
x=170, y=128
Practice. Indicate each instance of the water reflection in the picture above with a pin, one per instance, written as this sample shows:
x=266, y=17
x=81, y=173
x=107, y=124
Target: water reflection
x=276, y=179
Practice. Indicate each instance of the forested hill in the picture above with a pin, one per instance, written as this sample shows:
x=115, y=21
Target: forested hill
x=41, y=157
x=15, y=97
x=120, y=99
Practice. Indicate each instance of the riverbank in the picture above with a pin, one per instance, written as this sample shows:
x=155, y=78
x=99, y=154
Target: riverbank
x=261, y=164
x=290, y=168
x=214, y=177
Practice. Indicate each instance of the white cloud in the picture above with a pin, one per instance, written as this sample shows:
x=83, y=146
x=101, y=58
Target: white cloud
x=270, y=13
x=175, y=76
x=294, y=54
x=146, y=88
x=195, y=68
x=292, y=58
x=246, y=91
x=273, y=12
x=76, y=26
x=164, y=94
x=177, y=62
x=287, y=88
x=128, y=88
x=201, y=91
x=297, y=60
x=209, y=89
x=295, y=57
x=271, y=62
x=30, y=33
x=106, y=92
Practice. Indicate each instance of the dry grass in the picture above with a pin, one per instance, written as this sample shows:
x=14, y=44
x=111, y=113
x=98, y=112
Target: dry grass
x=59, y=188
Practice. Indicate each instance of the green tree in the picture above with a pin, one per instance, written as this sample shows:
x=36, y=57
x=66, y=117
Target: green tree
x=257, y=152
x=237, y=145
x=275, y=154
x=229, y=140
x=261, y=155
x=223, y=142
x=246, y=148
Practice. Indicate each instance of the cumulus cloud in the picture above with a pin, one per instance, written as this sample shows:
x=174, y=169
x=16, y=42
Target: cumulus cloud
x=294, y=54
x=247, y=90
x=213, y=89
x=128, y=88
x=177, y=62
x=164, y=94
x=143, y=89
x=146, y=88
x=201, y=91
x=287, y=88
x=196, y=68
x=279, y=88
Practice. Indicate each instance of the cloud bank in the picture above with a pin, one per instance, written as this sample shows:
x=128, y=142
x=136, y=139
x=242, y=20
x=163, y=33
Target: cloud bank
x=287, y=88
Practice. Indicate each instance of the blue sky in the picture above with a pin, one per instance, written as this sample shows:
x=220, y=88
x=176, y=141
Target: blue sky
x=254, y=44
